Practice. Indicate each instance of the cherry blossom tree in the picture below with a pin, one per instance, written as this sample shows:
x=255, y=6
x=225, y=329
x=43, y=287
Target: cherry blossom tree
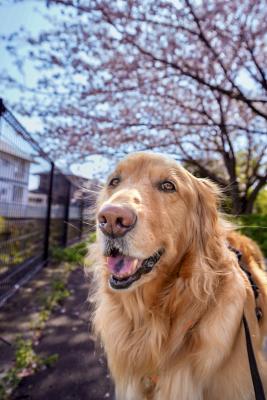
x=183, y=77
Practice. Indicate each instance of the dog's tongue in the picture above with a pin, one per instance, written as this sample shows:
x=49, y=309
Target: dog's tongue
x=122, y=266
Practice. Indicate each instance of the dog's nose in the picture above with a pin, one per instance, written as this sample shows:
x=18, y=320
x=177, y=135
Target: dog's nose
x=116, y=220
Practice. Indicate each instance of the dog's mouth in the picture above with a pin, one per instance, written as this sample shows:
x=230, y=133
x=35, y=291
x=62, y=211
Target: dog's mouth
x=126, y=270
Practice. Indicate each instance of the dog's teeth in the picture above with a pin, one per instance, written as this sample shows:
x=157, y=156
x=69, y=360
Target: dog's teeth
x=133, y=269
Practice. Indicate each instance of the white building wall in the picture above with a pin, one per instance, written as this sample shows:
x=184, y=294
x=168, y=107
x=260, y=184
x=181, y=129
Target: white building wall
x=15, y=174
x=6, y=191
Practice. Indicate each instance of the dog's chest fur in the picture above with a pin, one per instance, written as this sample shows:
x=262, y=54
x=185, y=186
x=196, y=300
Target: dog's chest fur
x=135, y=334
x=142, y=341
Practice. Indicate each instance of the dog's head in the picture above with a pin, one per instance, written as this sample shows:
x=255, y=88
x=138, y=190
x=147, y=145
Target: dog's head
x=149, y=215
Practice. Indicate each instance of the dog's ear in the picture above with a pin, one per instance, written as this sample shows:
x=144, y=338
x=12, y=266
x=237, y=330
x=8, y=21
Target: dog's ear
x=208, y=201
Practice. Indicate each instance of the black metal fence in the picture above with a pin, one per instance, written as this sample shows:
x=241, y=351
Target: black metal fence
x=40, y=207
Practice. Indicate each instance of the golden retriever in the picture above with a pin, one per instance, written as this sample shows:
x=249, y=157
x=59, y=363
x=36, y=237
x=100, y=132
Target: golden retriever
x=170, y=293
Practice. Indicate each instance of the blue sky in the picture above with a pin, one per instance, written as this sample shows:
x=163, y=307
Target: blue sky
x=28, y=15
x=25, y=15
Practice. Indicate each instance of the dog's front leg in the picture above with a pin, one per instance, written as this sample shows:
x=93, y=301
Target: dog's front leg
x=178, y=385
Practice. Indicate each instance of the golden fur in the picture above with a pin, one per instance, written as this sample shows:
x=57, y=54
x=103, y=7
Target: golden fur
x=177, y=333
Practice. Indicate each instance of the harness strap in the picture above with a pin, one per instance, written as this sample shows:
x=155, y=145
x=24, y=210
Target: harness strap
x=256, y=379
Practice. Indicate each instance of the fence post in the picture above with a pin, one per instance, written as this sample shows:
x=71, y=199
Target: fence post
x=66, y=216
x=48, y=214
x=81, y=217
x=2, y=107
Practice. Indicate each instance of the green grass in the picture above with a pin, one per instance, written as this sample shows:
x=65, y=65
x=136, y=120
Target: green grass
x=254, y=226
x=73, y=254
x=26, y=362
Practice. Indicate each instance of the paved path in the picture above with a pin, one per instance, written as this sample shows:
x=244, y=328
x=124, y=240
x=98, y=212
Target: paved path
x=80, y=372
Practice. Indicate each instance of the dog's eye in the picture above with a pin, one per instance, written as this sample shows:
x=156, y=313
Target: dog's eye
x=167, y=186
x=114, y=182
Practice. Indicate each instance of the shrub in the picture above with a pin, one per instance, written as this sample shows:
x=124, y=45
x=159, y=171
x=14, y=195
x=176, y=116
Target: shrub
x=254, y=226
x=261, y=203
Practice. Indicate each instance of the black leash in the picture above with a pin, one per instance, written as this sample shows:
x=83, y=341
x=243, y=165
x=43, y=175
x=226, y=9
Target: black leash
x=255, y=375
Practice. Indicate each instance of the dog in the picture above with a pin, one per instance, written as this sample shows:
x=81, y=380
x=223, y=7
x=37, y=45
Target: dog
x=170, y=294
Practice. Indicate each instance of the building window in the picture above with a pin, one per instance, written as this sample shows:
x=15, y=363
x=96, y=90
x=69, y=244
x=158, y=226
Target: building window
x=33, y=200
x=17, y=194
x=3, y=192
x=5, y=163
x=20, y=168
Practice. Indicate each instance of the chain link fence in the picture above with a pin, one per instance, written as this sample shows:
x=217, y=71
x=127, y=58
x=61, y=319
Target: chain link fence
x=40, y=207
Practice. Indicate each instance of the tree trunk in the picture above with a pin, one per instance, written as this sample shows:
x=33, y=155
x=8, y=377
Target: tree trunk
x=232, y=193
x=248, y=202
x=236, y=200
